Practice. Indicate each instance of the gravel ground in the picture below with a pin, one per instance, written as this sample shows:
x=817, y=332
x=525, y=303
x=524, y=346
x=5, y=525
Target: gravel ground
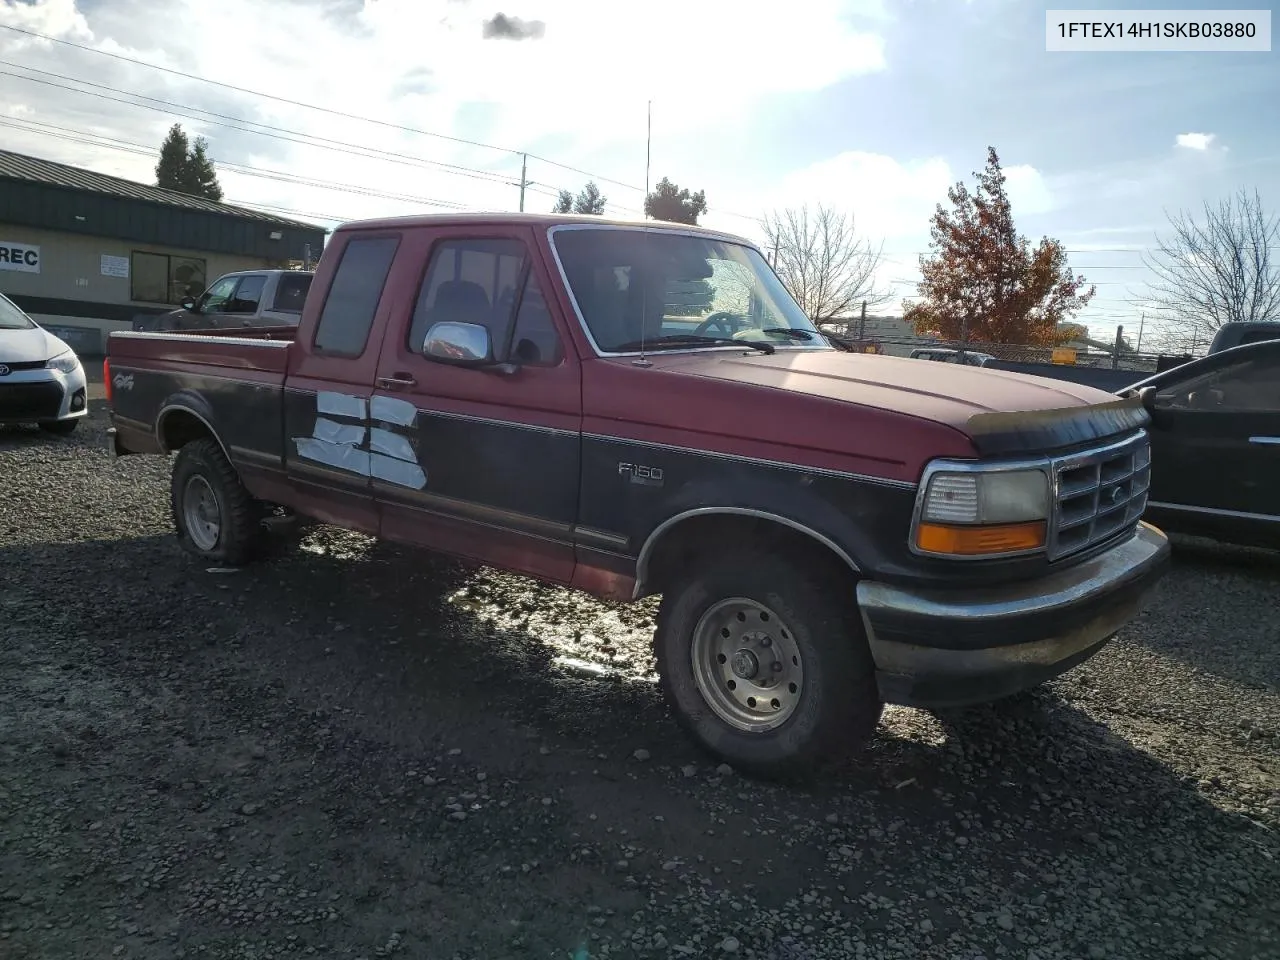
x=351, y=750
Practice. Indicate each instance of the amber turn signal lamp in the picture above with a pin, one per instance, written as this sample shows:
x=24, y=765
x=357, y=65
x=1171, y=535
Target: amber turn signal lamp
x=976, y=541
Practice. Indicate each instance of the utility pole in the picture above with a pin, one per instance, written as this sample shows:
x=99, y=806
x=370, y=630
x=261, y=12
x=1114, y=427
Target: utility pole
x=1141, y=323
x=862, y=323
x=524, y=179
x=1115, y=353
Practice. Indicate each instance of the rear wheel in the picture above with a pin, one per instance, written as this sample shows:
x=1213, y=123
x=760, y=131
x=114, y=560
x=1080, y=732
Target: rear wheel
x=60, y=428
x=215, y=517
x=765, y=664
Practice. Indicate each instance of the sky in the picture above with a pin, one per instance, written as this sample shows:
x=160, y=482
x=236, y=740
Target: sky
x=871, y=107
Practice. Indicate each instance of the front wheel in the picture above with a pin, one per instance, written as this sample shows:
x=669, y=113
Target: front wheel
x=215, y=517
x=765, y=664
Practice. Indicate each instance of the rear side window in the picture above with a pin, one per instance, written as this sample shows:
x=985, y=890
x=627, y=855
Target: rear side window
x=291, y=292
x=353, y=297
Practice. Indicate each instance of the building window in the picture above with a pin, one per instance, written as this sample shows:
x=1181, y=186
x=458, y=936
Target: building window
x=160, y=278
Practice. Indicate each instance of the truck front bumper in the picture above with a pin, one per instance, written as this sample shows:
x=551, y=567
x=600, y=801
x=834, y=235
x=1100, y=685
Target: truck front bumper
x=948, y=649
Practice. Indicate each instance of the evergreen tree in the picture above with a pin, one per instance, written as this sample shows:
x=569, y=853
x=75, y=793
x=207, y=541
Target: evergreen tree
x=185, y=168
x=202, y=179
x=669, y=202
x=172, y=167
x=564, y=203
x=589, y=200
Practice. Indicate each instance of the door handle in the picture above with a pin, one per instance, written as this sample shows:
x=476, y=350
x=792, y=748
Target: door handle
x=397, y=382
x=1266, y=440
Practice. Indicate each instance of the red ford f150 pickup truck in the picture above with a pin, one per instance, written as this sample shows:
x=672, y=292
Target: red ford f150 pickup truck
x=635, y=409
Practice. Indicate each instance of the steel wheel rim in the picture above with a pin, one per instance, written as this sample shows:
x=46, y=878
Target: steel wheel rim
x=747, y=665
x=200, y=513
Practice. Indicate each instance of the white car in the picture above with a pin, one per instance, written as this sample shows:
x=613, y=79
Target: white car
x=41, y=379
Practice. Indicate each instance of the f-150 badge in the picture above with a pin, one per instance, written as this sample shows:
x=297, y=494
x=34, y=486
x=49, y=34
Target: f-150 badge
x=362, y=437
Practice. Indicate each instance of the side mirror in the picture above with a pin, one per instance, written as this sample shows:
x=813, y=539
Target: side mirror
x=460, y=344
x=188, y=303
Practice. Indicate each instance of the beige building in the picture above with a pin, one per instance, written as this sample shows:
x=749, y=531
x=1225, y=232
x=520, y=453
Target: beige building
x=85, y=253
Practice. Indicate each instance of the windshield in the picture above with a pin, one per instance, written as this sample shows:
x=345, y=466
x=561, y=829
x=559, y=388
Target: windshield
x=672, y=290
x=11, y=318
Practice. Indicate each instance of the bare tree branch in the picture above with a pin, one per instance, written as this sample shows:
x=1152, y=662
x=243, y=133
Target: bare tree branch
x=826, y=266
x=1222, y=270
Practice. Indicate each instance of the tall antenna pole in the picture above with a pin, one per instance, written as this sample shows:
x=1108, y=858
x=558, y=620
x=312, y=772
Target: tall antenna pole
x=524, y=179
x=648, y=147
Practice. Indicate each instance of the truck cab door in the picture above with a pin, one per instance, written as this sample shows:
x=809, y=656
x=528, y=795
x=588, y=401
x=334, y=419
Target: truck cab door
x=241, y=309
x=479, y=459
x=330, y=383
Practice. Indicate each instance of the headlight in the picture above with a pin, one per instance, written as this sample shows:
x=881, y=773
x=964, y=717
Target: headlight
x=983, y=513
x=64, y=362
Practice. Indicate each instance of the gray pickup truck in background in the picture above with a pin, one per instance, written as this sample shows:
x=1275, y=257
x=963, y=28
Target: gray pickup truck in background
x=246, y=298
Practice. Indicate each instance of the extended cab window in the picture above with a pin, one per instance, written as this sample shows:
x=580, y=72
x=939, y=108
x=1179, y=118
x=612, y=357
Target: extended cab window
x=469, y=281
x=291, y=292
x=353, y=297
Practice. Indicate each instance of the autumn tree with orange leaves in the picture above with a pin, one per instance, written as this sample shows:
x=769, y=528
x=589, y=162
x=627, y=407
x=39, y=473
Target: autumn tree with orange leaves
x=983, y=282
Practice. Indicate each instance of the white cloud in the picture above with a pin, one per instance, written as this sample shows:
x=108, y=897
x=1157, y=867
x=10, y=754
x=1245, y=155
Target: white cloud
x=890, y=200
x=887, y=198
x=1028, y=193
x=1195, y=141
x=577, y=93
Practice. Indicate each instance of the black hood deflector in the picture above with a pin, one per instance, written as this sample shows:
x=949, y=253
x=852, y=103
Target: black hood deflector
x=1005, y=434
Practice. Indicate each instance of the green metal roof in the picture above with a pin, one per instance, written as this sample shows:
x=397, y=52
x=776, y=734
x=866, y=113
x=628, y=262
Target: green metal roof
x=54, y=196
x=20, y=166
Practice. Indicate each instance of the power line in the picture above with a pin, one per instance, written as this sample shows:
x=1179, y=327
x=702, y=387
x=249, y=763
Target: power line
x=333, y=112
x=268, y=130
x=272, y=132
x=259, y=93
x=312, y=106
x=125, y=146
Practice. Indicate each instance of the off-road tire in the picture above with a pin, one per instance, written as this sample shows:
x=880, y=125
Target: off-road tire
x=839, y=706
x=61, y=428
x=240, y=528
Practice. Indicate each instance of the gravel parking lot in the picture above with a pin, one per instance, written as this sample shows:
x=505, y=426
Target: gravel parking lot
x=352, y=750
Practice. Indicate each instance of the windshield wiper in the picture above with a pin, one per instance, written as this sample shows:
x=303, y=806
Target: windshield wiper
x=795, y=333
x=684, y=339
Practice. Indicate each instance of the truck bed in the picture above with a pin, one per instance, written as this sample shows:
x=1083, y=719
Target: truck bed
x=232, y=380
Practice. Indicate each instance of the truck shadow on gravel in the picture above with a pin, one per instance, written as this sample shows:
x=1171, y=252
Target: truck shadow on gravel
x=386, y=663
x=423, y=651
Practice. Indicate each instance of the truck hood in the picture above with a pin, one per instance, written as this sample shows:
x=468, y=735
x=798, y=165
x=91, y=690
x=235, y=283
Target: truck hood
x=29, y=346
x=999, y=410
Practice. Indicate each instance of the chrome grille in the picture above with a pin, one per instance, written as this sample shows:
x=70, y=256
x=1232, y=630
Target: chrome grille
x=1098, y=494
